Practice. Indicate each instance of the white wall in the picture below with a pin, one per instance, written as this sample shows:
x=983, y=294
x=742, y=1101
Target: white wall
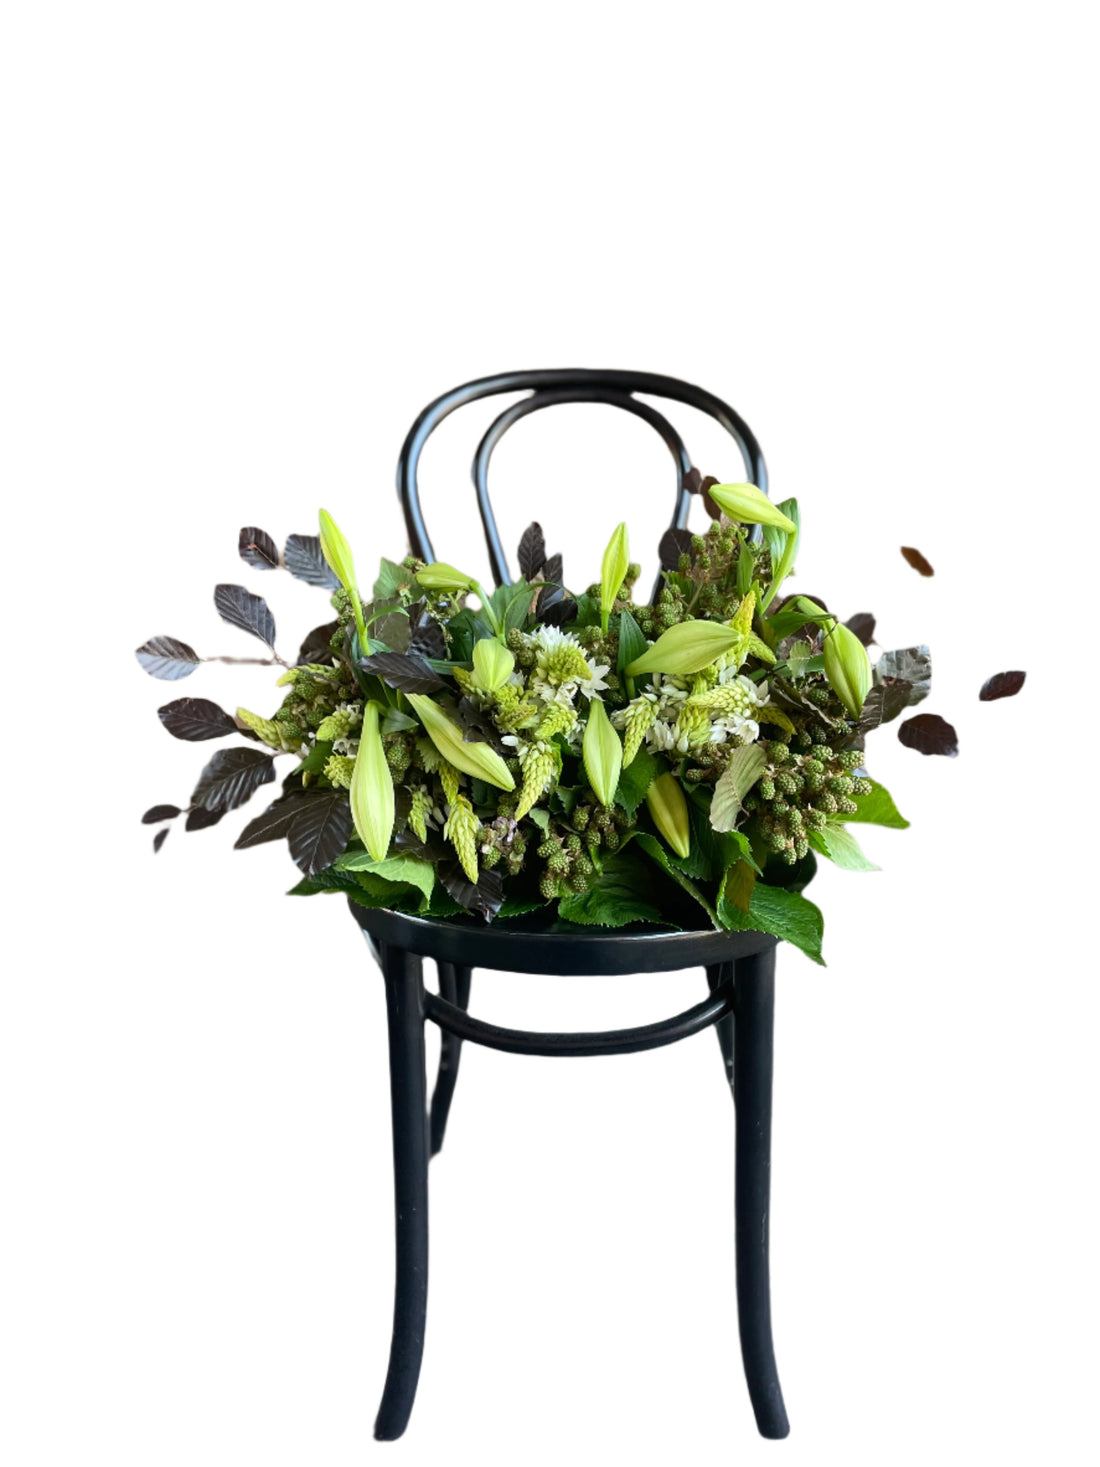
x=245, y=244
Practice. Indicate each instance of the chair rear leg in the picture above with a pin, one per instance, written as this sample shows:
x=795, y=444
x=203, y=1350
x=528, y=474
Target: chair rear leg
x=754, y=1015
x=454, y=986
x=408, y=1095
x=717, y=973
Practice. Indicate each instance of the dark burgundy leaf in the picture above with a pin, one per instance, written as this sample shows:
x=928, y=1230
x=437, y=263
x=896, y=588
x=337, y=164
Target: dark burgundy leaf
x=693, y=481
x=551, y=594
x=275, y=821
x=232, y=777
x=532, y=551
x=674, y=543
x=714, y=510
x=167, y=658
x=240, y=608
x=484, y=898
x=928, y=733
x=196, y=719
x=917, y=560
x=408, y=674
x=316, y=647
x=303, y=559
x=863, y=625
x=158, y=813
x=427, y=640
x=885, y=701
x=159, y=839
x=258, y=548
x=561, y=613
x=320, y=830
x=199, y=819
x=477, y=724
x=1002, y=685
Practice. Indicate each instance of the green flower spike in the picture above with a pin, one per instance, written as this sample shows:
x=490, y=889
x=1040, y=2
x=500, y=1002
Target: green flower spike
x=602, y=753
x=337, y=553
x=616, y=563
x=687, y=647
x=747, y=505
x=668, y=809
x=847, y=667
x=476, y=760
x=372, y=801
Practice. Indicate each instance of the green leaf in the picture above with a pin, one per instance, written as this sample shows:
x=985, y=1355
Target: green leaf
x=520, y=906
x=656, y=852
x=636, y=779
x=712, y=851
x=632, y=643
x=783, y=914
x=540, y=817
x=511, y=604
x=784, y=561
x=613, y=898
x=392, y=581
x=745, y=767
x=878, y=808
x=316, y=759
x=841, y=847
x=408, y=869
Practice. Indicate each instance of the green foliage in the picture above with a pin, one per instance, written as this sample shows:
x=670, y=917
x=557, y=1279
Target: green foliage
x=877, y=808
x=636, y=779
x=782, y=913
x=616, y=897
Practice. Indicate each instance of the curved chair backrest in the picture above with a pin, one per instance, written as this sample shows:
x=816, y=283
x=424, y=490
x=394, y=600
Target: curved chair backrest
x=548, y=388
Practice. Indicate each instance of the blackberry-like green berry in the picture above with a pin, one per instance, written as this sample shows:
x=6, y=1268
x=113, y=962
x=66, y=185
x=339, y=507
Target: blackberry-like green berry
x=767, y=788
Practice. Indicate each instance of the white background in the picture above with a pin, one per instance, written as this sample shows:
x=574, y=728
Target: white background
x=244, y=245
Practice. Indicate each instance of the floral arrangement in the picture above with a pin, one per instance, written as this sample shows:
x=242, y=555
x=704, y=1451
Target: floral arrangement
x=535, y=756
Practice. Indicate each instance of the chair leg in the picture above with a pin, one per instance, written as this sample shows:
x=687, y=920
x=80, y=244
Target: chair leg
x=754, y=1013
x=408, y=1093
x=718, y=973
x=454, y=986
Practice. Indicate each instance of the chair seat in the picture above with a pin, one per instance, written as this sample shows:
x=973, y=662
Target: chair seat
x=471, y=943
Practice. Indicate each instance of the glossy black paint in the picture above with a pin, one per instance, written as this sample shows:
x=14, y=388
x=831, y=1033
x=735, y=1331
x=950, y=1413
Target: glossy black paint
x=567, y=384
x=740, y=967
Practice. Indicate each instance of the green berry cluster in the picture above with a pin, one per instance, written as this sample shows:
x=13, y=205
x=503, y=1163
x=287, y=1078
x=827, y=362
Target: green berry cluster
x=804, y=783
x=313, y=696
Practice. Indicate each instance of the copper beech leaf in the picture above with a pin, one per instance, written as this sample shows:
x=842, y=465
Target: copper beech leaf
x=1002, y=685
x=863, y=625
x=532, y=551
x=406, y=673
x=483, y=899
x=316, y=647
x=158, y=813
x=196, y=719
x=159, y=839
x=257, y=549
x=303, y=559
x=319, y=830
x=167, y=658
x=232, y=777
x=917, y=561
x=241, y=608
x=908, y=664
x=928, y=733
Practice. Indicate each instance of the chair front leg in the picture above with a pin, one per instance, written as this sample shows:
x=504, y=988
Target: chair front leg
x=754, y=1015
x=718, y=973
x=454, y=986
x=408, y=1094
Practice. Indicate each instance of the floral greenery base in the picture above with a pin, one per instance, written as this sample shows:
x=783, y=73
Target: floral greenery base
x=583, y=757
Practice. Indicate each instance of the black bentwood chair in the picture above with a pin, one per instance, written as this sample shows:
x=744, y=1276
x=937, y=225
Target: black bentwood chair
x=740, y=966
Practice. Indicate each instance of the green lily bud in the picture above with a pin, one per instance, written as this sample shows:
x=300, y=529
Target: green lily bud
x=493, y=664
x=372, y=800
x=747, y=505
x=847, y=667
x=689, y=646
x=669, y=812
x=439, y=576
x=337, y=553
x=602, y=753
x=616, y=563
x=476, y=760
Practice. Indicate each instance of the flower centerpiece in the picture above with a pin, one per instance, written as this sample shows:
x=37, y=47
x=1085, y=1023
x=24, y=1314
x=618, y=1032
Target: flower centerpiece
x=537, y=756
